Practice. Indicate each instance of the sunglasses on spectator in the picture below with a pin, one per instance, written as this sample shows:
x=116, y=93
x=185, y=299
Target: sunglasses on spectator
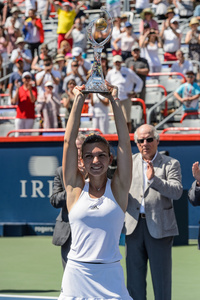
x=27, y=78
x=149, y=140
x=74, y=65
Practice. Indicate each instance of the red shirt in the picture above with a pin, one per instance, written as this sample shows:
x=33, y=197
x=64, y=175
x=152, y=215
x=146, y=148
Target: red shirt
x=25, y=108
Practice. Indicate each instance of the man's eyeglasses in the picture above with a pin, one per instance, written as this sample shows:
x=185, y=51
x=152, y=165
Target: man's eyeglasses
x=190, y=76
x=149, y=140
x=74, y=65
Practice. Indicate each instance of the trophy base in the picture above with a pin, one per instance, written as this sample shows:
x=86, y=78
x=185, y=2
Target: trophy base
x=96, y=92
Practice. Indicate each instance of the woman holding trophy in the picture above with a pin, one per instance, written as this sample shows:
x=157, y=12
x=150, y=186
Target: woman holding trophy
x=96, y=207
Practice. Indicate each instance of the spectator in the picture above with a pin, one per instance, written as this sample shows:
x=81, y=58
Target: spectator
x=188, y=94
x=161, y=8
x=3, y=44
x=150, y=43
x=62, y=232
x=140, y=5
x=171, y=36
x=68, y=98
x=194, y=192
x=79, y=79
x=183, y=8
x=128, y=83
x=15, y=11
x=25, y=98
x=38, y=61
x=13, y=33
x=48, y=106
x=33, y=31
x=169, y=15
x=79, y=35
x=147, y=17
x=9, y=4
x=65, y=49
x=21, y=52
x=140, y=66
x=43, y=9
x=100, y=110
x=104, y=64
x=61, y=67
x=182, y=65
x=83, y=65
x=15, y=79
x=48, y=74
x=66, y=16
x=117, y=29
x=193, y=39
x=30, y=4
x=127, y=38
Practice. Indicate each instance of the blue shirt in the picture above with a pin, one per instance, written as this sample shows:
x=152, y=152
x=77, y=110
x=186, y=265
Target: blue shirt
x=189, y=90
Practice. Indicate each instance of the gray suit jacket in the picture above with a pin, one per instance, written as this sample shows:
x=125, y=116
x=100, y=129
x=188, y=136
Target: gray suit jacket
x=58, y=200
x=158, y=196
x=194, y=194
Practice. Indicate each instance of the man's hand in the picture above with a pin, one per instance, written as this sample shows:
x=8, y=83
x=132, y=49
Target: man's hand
x=150, y=170
x=196, y=171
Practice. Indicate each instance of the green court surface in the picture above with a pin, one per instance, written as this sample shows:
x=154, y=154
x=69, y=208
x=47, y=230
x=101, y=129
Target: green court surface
x=32, y=266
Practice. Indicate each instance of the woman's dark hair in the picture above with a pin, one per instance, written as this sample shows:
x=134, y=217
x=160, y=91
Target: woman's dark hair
x=71, y=80
x=94, y=138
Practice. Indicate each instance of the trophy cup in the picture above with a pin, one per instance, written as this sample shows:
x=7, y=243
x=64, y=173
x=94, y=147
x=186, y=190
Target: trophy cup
x=96, y=82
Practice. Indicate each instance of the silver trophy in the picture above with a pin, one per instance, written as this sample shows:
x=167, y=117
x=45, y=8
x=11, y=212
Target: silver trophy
x=96, y=82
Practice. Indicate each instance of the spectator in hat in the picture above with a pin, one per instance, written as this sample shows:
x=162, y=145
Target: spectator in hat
x=128, y=83
x=193, y=39
x=79, y=35
x=66, y=15
x=168, y=16
x=182, y=65
x=140, y=66
x=127, y=38
x=48, y=74
x=15, y=11
x=171, y=37
x=83, y=65
x=188, y=94
x=21, y=52
x=33, y=31
x=48, y=106
x=60, y=65
x=147, y=17
x=38, y=61
x=25, y=98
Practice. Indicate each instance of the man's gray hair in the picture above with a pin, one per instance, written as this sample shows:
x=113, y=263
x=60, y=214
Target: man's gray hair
x=153, y=130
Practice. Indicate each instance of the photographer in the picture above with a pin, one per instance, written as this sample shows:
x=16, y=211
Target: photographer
x=48, y=74
x=25, y=97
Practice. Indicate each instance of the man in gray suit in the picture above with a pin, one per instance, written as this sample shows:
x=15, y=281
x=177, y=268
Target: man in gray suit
x=150, y=222
x=62, y=231
x=194, y=192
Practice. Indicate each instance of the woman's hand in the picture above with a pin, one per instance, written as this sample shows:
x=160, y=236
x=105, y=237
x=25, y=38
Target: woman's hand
x=113, y=91
x=78, y=89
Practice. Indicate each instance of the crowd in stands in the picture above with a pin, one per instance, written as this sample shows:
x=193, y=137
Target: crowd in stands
x=43, y=80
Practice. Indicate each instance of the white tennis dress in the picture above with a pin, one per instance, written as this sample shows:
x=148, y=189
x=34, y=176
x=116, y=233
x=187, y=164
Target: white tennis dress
x=93, y=269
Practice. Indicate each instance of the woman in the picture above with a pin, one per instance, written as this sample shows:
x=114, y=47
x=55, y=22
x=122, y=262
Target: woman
x=48, y=106
x=25, y=98
x=193, y=39
x=96, y=208
x=37, y=63
x=149, y=43
x=3, y=45
x=128, y=39
x=13, y=33
x=68, y=98
x=147, y=18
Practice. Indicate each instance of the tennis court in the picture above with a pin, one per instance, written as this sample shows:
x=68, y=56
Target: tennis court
x=30, y=268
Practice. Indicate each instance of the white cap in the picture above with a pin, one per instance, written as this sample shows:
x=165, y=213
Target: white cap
x=76, y=51
x=66, y=3
x=49, y=83
x=26, y=74
x=117, y=58
x=174, y=19
x=20, y=40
